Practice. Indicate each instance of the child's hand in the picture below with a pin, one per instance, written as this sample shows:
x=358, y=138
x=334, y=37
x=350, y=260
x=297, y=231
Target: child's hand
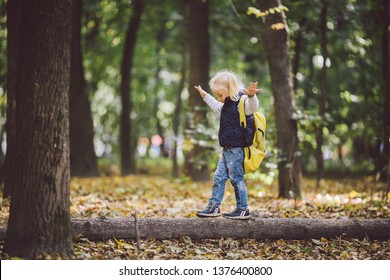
x=252, y=89
x=201, y=91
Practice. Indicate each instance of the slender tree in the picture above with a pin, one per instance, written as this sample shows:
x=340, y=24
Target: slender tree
x=179, y=101
x=127, y=141
x=83, y=161
x=176, y=114
x=39, y=220
x=323, y=91
x=299, y=41
x=161, y=35
x=386, y=90
x=196, y=163
x=276, y=46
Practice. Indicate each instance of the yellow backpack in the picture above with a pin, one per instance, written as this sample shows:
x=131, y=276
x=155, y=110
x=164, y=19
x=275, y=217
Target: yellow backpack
x=255, y=153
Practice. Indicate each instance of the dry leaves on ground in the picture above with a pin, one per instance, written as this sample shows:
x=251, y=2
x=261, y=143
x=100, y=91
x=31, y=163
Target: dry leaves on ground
x=159, y=196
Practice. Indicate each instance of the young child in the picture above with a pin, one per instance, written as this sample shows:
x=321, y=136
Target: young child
x=228, y=89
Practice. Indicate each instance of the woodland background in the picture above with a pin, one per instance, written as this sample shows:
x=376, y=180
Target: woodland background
x=141, y=138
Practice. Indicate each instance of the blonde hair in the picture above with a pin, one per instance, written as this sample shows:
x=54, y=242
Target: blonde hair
x=228, y=80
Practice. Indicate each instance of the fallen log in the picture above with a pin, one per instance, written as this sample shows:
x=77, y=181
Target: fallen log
x=100, y=229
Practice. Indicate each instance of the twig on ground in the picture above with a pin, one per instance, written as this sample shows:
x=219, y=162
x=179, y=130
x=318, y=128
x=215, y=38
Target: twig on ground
x=137, y=231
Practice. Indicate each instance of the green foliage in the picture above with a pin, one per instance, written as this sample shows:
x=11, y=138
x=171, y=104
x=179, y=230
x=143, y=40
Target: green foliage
x=354, y=101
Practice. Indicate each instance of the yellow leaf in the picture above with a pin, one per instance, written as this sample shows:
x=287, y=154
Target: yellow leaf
x=277, y=26
x=120, y=244
x=345, y=255
x=191, y=214
x=281, y=242
x=253, y=11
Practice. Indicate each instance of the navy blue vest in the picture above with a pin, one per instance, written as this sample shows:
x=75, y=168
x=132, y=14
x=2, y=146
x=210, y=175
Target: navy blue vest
x=230, y=132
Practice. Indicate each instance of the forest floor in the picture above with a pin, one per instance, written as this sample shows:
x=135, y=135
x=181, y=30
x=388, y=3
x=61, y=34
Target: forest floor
x=158, y=195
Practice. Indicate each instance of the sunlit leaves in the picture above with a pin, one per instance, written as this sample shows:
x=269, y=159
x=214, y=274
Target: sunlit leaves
x=349, y=97
x=258, y=13
x=157, y=196
x=278, y=26
x=261, y=14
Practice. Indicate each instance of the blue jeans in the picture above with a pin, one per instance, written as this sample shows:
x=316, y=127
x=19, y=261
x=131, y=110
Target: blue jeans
x=230, y=166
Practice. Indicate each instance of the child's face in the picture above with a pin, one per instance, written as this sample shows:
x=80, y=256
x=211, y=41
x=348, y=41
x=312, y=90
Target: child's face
x=221, y=94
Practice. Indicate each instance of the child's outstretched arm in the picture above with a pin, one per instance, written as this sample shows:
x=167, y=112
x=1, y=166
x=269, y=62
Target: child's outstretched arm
x=201, y=91
x=252, y=89
x=214, y=104
x=251, y=103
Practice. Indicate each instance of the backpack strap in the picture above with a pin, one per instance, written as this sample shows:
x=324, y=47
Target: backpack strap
x=243, y=121
x=242, y=111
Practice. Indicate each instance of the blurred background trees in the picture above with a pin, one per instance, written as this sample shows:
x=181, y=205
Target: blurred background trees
x=340, y=69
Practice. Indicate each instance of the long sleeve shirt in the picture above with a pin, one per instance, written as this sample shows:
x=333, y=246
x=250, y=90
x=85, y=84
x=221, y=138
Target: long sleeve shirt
x=251, y=104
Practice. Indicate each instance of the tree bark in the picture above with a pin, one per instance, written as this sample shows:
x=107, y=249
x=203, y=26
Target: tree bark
x=161, y=35
x=323, y=92
x=83, y=161
x=299, y=42
x=196, y=159
x=39, y=220
x=385, y=158
x=100, y=229
x=2, y=157
x=276, y=46
x=176, y=114
x=179, y=102
x=127, y=141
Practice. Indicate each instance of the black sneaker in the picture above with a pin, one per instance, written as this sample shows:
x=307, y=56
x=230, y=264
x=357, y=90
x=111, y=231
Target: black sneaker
x=212, y=210
x=238, y=214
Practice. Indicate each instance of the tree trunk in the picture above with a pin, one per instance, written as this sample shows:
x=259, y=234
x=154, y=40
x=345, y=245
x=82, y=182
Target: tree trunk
x=323, y=92
x=386, y=91
x=161, y=34
x=2, y=157
x=39, y=220
x=196, y=159
x=176, y=114
x=83, y=161
x=308, y=85
x=276, y=46
x=98, y=229
x=13, y=23
x=179, y=101
x=126, y=134
x=92, y=15
x=297, y=53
